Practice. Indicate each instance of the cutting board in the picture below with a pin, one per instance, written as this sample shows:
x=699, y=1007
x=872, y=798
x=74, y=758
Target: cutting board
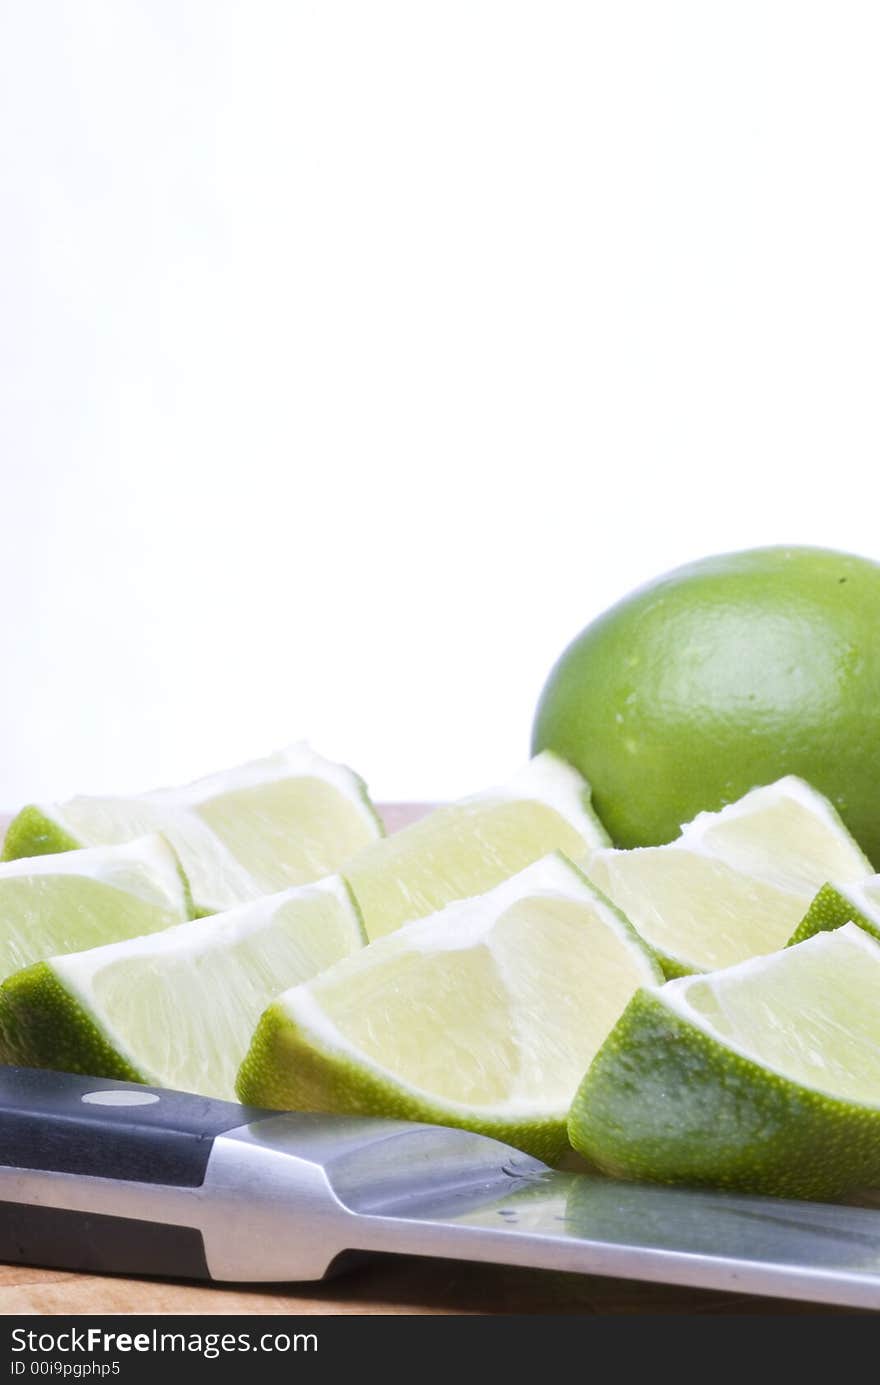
x=392, y=1284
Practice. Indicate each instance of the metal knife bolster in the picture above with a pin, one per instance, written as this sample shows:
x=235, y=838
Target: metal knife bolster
x=120, y=1178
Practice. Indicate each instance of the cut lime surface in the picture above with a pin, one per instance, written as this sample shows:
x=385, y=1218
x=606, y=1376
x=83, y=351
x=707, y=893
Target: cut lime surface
x=465, y=848
x=284, y=820
x=176, y=1009
x=735, y=884
x=52, y=904
x=764, y=1076
x=483, y=1015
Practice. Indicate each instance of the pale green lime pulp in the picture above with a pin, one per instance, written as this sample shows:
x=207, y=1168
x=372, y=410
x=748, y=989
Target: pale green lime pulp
x=112, y=821
x=787, y=842
x=696, y=909
x=285, y=832
x=483, y=1015
x=789, y=1014
x=287, y=819
x=454, y=853
x=735, y=884
x=517, y=1018
x=181, y=1008
x=44, y=914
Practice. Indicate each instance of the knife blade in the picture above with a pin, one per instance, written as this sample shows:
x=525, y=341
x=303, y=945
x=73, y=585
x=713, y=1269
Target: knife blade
x=115, y=1177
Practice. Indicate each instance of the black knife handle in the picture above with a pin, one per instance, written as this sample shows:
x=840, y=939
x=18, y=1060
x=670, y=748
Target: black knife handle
x=59, y=1239
x=88, y=1125
x=58, y=1123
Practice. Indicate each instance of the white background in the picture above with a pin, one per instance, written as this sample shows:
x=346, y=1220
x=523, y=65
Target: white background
x=354, y=355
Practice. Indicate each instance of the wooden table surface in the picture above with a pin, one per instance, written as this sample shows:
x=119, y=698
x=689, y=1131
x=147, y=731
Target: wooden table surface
x=386, y=1285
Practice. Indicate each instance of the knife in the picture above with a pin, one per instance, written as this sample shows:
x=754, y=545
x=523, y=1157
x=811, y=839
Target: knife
x=119, y=1178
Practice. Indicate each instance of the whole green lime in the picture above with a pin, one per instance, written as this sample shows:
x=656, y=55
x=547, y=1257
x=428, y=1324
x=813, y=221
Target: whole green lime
x=721, y=675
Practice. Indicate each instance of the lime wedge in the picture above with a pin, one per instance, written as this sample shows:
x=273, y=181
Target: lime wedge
x=284, y=820
x=465, y=848
x=83, y=898
x=483, y=1015
x=176, y=1009
x=734, y=884
x=834, y=905
x=764, y=1076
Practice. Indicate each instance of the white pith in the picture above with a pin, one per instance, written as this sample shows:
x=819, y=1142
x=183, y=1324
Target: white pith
x=863, y=895
x=693, y=833
x=188, y=939
x=549, y=780
x=297, y=761
x=106, y=864
x=174, y=810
